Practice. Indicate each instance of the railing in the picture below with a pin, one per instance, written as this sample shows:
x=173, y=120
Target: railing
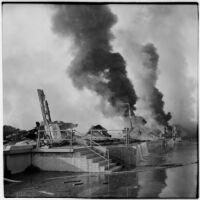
x=92, y=144
x=91, y=147
x=47, y=138
x=105, y=155
x=105, y=151
x=125, y=134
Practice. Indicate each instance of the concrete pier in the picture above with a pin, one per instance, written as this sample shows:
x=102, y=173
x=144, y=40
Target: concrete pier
x=78, y=159
x=17, y=159
x=64, y=160
x=124, y=155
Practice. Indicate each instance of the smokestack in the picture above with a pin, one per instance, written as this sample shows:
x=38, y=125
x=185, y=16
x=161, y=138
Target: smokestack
x=153, y=95
x=95, y=65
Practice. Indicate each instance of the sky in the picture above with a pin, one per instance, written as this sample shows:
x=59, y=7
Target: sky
x=34, y=57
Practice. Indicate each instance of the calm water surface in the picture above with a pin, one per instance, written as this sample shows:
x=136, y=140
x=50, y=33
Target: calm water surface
x=163, y=180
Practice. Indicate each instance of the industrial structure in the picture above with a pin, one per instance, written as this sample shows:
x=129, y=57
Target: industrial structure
x=60, y=147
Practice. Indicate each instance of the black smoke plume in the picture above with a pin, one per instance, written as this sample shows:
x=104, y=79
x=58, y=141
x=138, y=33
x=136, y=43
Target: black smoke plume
x=95, y=65
x=155, y=97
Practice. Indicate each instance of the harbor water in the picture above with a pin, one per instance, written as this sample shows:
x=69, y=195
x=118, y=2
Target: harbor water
x=166, y=174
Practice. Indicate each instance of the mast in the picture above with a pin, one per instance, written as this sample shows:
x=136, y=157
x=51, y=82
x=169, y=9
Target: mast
x=44, y=107
x=45, y=110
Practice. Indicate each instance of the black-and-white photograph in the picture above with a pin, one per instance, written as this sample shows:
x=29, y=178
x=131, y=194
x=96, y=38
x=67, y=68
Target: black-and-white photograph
x=100, y=100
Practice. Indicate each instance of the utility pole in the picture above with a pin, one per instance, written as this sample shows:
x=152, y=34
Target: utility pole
x=130, y=118
x=131, y=124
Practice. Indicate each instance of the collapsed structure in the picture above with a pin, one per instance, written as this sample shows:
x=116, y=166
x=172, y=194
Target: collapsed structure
x=56, y=131
x=88, y=156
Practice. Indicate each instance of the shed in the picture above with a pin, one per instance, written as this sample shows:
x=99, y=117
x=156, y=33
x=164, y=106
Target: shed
x=98, y=131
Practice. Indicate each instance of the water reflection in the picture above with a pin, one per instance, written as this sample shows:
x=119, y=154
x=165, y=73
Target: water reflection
x=115, y=185
x=121, y=185
x=152, y=183
x=181, y=182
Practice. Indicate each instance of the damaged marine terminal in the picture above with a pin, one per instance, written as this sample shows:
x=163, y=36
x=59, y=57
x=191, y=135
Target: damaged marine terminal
x=58, y=146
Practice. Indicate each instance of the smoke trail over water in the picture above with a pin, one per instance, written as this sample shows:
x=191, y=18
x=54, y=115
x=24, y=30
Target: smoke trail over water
x=95, y=65
x=152, y=95
x=174, y=31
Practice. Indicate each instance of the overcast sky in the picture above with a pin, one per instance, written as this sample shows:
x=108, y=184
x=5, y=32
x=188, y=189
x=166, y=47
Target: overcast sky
x=35, y=57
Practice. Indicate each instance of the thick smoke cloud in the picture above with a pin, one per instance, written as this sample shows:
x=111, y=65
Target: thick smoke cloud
x=152, y=95
x=28, y=58
x=173, y=29
x=95, y=65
